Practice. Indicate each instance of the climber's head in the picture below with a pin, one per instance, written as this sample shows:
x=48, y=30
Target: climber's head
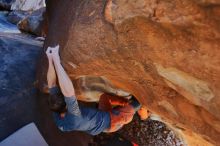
x=57, y=103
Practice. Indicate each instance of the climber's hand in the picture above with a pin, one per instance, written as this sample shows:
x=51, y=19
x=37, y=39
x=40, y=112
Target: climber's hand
x=55, y=53
x=49, y=52
x=55, y=50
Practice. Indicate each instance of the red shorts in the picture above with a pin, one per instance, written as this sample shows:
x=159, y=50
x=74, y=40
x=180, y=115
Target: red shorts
x=119, y=115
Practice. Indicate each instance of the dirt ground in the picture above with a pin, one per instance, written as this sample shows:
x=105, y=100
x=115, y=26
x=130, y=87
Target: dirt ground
x=143, y=133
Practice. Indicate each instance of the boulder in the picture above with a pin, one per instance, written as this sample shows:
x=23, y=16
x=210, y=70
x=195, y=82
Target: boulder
x=18, y=58
x=5, y=26
x=17, y=15
x=27, y=5
x=34, y=23
x=165, y=53
x=6, y=4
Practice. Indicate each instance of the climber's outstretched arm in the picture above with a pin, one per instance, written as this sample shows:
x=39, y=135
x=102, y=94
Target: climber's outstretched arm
x=65, y=83
x=51, y=74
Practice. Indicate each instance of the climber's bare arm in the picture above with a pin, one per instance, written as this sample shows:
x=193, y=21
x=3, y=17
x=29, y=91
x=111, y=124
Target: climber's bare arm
x=65, y=83
x=51, y=74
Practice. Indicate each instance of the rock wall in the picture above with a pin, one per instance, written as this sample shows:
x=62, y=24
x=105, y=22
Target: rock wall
x=6, y=4
x=27, y=5
x=166, y=53
x=35, y=23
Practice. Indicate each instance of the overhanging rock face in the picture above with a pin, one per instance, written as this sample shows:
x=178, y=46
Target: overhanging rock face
x=166, y=53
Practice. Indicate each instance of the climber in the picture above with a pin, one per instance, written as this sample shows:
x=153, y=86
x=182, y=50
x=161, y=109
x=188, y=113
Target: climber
x=69, y=115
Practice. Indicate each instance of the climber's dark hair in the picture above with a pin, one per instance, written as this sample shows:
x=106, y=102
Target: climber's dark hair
x=57, y=103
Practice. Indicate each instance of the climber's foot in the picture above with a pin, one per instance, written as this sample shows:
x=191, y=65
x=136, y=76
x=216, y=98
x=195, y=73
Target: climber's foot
x=143, y=113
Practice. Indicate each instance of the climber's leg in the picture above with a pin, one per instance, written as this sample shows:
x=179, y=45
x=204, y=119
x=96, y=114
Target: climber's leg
x=104, y=103
x=122, y=115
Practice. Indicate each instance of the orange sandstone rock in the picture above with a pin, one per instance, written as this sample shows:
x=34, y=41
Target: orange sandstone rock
x=165, y=53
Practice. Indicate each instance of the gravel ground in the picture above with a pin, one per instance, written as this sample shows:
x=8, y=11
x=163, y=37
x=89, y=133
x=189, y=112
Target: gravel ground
x=143, y=133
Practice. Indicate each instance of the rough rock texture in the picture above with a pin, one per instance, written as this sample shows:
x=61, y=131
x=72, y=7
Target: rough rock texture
x=22, y=5
x=17, y=15
x=166, y=53
x=143, y=133
x=18, y=59
x=6, y=26
x=27, y=5
x=34, y=23
x=90, y=88
x=6, y=4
